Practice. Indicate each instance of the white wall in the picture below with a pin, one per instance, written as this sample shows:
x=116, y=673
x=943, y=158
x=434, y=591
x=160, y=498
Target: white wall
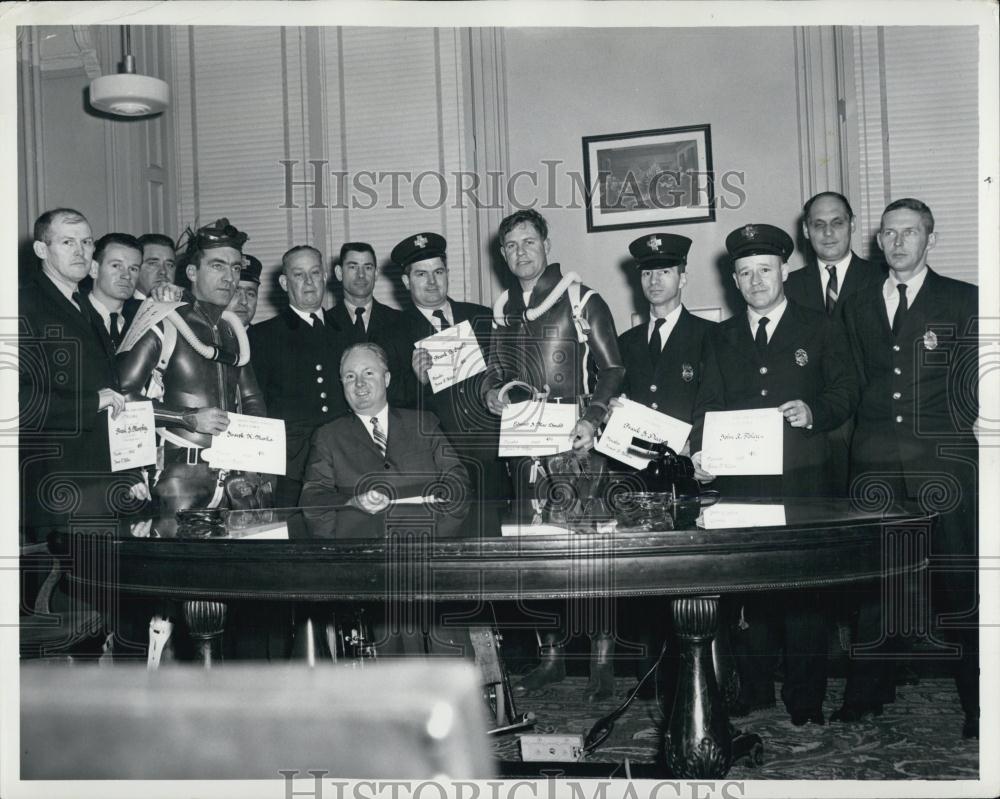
x=566, y=84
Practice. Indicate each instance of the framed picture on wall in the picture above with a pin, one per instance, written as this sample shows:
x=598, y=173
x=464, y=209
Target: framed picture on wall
x=649, y=177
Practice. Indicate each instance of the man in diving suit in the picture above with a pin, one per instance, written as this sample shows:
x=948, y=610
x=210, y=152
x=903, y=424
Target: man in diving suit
x=204, y=372
x=557, y=336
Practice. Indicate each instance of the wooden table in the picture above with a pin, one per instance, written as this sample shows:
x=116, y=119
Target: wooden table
x=821, y=543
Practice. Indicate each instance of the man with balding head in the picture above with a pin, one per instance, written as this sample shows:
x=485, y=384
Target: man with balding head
x=295, y=356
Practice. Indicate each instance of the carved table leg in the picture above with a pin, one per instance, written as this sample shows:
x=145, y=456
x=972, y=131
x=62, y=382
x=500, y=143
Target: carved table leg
x=206, y=621
x=698, y=741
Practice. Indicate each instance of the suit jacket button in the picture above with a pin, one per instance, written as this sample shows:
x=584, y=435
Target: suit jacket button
x=763, y=392
x=652, y=387
x=387, y=466
x=895, y=348
x=322, y=395
x=897, y=371
x=899, y=419
x=319, y=367
x=896, y=395
x=319, y=379
x=763, y=370
x=654, y=406
x=324, y=409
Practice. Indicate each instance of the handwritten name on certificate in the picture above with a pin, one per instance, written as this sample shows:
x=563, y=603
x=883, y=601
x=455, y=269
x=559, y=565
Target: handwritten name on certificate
x=743, y=442
x=536, y=428
x=456, y=355
x=250, y=443
x=132, y=437
x=633, y=420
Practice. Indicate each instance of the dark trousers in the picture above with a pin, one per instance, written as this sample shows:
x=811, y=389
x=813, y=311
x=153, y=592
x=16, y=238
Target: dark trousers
x=799, y=619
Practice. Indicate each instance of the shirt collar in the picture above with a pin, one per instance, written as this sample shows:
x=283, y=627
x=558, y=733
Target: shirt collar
x=101, y=308
x=841, y=265
x=305, y=317
x=430, y=317
x=65, y=290
x=383, y=420
x=350, y=307
x=773, y=316
x=670, y=319
x=912, y=285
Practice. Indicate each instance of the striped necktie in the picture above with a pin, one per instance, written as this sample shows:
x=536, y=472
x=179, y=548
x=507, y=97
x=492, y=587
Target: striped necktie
x=832, y=288
x=379, y=435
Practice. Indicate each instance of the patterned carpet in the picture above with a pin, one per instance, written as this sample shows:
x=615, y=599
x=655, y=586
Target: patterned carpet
x=917, y=737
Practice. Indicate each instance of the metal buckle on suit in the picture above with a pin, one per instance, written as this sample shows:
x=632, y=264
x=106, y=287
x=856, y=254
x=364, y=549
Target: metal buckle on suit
x=193, y=455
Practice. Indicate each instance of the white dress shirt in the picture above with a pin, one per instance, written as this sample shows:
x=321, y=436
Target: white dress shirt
x=841, y=268
x=366, y=315
x=429, y=315
x=306, y=317
x=773, y=317
x=104, y=312
x=670, y=322
x=383, y=422
x=891, y=294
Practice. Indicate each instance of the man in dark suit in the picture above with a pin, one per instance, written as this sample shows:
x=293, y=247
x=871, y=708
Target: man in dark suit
x=825, y=284
x=66, y=382
x=914, y=339
x=779, y=355
x=296, y=357
x=375, y=454
x=663, y=357
x=473, y=431
x=114, y=273
x=244, y=301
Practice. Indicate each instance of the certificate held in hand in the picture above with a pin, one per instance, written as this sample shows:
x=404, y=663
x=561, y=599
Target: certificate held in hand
x=633, y=420
x=743, y=442
x=535, y=428
x=251, y=444
x=132, y=437
x=456, y=356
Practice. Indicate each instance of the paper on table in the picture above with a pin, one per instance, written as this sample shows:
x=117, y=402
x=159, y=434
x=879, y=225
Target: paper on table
x=250, y=443
x=741, y=514
x=635, y=419
x=132, y=437
x=743, y=442
x=456, y=355
x=536, y=427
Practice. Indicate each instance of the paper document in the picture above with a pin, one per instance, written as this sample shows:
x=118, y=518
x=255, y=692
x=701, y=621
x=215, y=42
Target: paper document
x=636, y=420
x=536, y=427
x=456, y=355
x=132, y=437
x=724, y=515
x=251, y=443
x=743, y=442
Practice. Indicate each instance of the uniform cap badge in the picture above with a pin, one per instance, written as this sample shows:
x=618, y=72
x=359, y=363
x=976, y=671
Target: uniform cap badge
x=687, y=372
x=801, y=357
x=930, y=340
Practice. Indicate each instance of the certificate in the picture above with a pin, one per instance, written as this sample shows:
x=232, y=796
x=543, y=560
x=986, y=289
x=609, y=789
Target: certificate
x=725, y=515
x=536, y=427
x=132, y=437
x=456, y=356
x=635, y=420
x=743, y=442
x=250, y=443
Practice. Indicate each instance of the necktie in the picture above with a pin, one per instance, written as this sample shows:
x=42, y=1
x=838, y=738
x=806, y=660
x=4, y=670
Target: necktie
x=316, y=320
x=359, y=323
x=378, y=435
x=439, y=315
x=655, y=344
x=115, y=332
x=761, y=338
x=831, y=289
x=897, y=320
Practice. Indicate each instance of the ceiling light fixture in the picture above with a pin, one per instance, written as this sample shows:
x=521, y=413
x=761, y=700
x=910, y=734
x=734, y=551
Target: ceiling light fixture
x=127, y=94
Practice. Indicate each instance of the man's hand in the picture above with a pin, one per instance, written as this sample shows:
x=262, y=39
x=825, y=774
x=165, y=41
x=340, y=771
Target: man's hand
x=797, y=413
x=583, y=435
x=372, y=502
x=421, y=362
x=493, y=401
x=210, y=421
x=167, y=292
x=700, y=474
x=109, y=398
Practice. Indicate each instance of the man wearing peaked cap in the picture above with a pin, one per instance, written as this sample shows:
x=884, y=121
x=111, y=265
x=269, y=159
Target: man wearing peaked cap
x=663, y=356
x=777, y=354
x=244, y=301
x=472, y=430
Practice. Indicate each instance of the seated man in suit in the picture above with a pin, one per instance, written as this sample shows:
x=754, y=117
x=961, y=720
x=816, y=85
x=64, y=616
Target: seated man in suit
x=361, y=462
x=377, y=454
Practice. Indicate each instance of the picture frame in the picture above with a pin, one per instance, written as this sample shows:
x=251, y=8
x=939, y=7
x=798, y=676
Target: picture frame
x=649, y=178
